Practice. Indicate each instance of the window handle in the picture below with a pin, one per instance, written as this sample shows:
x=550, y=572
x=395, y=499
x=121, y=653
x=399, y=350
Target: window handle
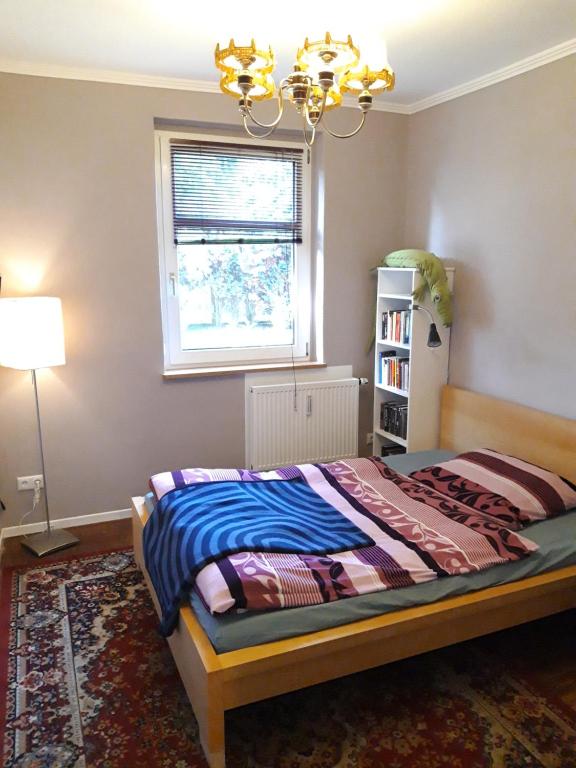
x=172, y=280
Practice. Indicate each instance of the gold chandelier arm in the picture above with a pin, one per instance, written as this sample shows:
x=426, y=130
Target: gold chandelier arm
x=308, y=141
x=274, y=123
x=314, y=123
x=264, y=135
x=347, y=135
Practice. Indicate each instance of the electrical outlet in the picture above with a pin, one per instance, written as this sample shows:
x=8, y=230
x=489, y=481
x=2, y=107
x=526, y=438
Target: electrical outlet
x=369, y=438
x=27, y=483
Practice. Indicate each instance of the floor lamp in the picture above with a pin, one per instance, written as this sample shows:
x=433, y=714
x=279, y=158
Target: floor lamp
x=32, y=337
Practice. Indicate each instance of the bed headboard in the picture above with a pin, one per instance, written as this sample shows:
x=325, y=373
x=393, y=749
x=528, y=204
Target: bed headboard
x=470, y=420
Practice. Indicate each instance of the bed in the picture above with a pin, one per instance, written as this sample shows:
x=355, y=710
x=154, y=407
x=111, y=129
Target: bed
x=216, y=682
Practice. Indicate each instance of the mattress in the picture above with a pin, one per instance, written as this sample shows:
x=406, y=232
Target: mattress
x=556, y=540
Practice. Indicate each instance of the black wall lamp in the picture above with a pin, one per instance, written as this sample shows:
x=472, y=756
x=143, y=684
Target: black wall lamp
x=434, y=339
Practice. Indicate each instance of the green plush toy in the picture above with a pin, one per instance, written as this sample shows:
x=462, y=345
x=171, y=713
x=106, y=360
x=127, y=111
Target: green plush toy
x=434, y=278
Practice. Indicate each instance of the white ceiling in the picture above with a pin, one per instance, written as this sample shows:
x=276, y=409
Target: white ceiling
x=433, y=45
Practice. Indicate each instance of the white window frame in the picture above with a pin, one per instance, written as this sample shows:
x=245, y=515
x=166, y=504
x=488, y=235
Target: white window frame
x=174, y=356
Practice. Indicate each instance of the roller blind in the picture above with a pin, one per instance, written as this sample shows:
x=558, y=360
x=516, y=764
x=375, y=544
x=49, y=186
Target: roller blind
x=236, y=193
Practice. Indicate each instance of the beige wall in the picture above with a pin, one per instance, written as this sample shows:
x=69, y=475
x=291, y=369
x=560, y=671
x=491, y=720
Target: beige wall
x=491, y=186
x=77, y=220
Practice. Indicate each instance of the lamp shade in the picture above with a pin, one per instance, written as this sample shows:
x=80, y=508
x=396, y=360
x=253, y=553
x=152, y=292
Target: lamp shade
x=434, y=339
x=31, y=332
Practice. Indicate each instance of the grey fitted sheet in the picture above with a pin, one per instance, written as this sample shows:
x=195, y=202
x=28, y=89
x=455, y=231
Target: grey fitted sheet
x=556, y=539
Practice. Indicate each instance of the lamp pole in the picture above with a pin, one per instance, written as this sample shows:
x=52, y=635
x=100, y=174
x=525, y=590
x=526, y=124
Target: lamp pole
x=49, y=529
x=48, y=541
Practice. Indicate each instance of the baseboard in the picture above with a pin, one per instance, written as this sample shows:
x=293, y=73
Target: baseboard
x=64, y=522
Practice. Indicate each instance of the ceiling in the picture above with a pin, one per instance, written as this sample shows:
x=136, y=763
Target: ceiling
x=438, y=48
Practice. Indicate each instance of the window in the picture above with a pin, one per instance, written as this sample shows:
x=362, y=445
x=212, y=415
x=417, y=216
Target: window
x=234, y=251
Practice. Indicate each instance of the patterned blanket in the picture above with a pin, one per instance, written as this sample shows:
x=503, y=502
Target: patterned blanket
x=204, y=522
x=510, y=490
x=419, y=535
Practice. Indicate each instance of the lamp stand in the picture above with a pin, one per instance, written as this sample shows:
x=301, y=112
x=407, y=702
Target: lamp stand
x=50, y=540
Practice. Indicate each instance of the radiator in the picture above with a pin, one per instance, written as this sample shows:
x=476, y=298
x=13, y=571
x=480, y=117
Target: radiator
x=307, y=422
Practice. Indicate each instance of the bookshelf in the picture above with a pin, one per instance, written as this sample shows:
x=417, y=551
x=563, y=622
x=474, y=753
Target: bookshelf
x=408, y=375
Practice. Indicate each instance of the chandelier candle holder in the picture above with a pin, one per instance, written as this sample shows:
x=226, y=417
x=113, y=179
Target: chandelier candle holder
x=324, y=71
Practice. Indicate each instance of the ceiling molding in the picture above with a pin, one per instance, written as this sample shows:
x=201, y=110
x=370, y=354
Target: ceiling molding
x=107, y=76
x=204, y=86
x=116, y=77
x=379, y=106
x=513, y=70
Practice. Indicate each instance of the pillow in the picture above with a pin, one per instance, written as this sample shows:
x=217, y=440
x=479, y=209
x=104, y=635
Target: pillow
x=163, y=482
x=513, y=491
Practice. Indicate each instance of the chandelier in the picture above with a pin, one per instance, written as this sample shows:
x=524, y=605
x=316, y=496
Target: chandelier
x=324, y=71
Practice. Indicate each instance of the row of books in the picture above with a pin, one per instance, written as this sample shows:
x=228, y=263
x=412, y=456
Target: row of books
x=396, y=325
x=394, y=418
x=392, y=450
x=394, y=371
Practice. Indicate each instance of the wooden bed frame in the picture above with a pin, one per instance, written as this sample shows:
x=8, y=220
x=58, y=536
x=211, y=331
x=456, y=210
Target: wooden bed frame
x=217, y=682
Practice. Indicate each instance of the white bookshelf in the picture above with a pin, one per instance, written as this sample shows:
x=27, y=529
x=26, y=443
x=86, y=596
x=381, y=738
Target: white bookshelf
x=428, y=366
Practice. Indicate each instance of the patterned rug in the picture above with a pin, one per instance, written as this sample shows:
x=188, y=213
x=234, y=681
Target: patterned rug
x=85, y=680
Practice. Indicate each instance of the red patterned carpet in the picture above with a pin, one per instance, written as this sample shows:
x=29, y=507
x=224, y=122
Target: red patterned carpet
x=86, y=682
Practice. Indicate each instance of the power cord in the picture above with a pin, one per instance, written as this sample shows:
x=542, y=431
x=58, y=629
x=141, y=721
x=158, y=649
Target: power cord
x=294, y=375
x=35, y=501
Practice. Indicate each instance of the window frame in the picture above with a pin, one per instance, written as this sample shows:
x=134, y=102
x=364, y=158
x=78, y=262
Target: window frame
x=175, y=357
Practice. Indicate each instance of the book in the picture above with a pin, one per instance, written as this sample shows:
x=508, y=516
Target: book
x=396, y=325
x=384, y=356
x=394, y=418
x=394, y=371
x=392, y=450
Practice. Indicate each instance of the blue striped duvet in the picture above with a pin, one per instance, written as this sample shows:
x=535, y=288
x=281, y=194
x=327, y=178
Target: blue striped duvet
x=203, y=522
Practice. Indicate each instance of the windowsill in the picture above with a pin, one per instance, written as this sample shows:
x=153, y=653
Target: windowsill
x=231, y=370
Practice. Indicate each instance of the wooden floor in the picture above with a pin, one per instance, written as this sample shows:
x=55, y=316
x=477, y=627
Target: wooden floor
x=545, y=649
x=93, y=538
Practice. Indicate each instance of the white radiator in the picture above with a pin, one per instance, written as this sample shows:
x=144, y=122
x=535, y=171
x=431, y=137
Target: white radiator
x=307, y=422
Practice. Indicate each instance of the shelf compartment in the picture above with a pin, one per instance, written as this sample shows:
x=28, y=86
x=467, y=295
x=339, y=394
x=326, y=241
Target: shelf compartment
x=393, y=438
x=396, y=344
x=394, y=390
x=399, y=296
